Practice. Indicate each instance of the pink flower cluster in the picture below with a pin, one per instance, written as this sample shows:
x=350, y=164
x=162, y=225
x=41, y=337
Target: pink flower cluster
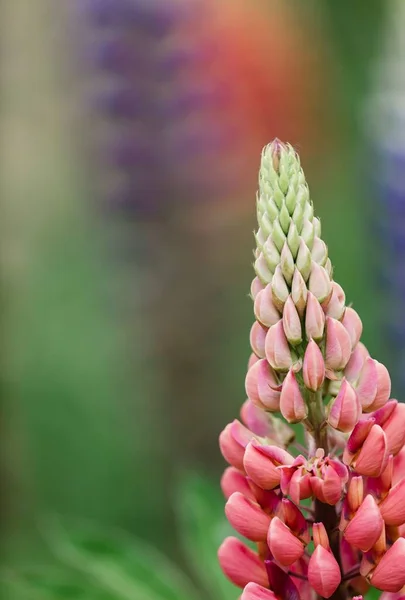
x=327, y=519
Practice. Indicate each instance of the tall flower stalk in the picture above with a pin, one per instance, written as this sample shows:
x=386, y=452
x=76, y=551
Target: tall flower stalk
x=328, y=519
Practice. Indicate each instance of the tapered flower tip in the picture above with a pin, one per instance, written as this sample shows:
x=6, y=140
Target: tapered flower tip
x=284, y=545
x=373, y=455
x=320, y=536
x=264, y=308
x=323, y=572
x=277, y=349
x=345, y=409
x=261, y=386
x=314, y=318
x=247, y=517
x=319, y=283
x=292, y=322
x=257, y=339
x=393, y=506
x=256, y=592
x=355, y=493
x=374, y=385
x=313, y=368
x=240, y=564
x=338, y=345
x=389, y=575
x=335, y=307
x=352, y=323
x=365, y=528
x=232, y=442
x=232, y=481
x=292, y=404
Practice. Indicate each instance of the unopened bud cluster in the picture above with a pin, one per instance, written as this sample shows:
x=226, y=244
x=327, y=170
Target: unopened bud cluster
x=309, y=365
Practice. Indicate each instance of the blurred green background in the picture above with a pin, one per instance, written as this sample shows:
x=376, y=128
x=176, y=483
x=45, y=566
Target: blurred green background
x=125, y=339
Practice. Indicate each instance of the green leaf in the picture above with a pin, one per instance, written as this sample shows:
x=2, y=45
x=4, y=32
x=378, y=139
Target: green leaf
x=126, y=567
x=203, y=527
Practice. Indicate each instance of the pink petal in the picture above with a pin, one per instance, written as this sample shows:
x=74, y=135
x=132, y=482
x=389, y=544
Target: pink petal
x=284, y=545
x=247, y=517
x=234, y=481
x=365, y=528
x=240, y=564
x=323, y=572
x=389, y=574
x=393, y=506
x=256, y=592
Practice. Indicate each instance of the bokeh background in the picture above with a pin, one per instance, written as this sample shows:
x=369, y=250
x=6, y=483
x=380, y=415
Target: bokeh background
x=131, y=139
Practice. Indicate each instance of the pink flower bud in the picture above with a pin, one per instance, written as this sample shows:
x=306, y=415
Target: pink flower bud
x=314, y=318
x=292, y=323
x=345, y=409
x=264, y=309
x=292, y=404
x=357, y=438
x=284, y=545
x=374, y=385
x=261, y=386
x=338, y=345
x=394, y=427
x=240, y=564
x=389, y=575
x=256, y=592
x=335, y=307
x=256, y=287
x=258, y=338
x=256, y=419
x=372, y=457
x=261, y=464
x=299, y=292
x=291, y=516
x=279, y=289
x=356, y=362
x=232, y=442
x=247, y=517
x=328, y=489
x=234, y=481
x=355, y=493
x=262, y=270
x=365, y=528
x=323, y=572
x=319, y=282
x=252, y=360
x=313, y=369
x=320, y=536
x=352, y=323
x=393, y=506
x=277, y=350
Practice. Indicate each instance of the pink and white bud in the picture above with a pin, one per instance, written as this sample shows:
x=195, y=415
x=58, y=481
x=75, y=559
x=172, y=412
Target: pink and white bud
x=232, y=481
x=265, y=311
x=319, y=282
x=389, y=575
x=345, y=409
x=320, y=536
x=393, y=506
x=338, y=345
x=292, y=404
x=335, y=307
x=374, y=385
x=256, y=592
x=319, y=251
x=352, y=323
x=356, y=362
x=258, y=339
x=247, y=517
x=373, y=456
x=314, y=319
x=262, y=386
x=313, y=368
x=284, y=545
x=261, y=462
x=292, y=323
x=252, y=360
x=256, y=287
x=277, y=349
x=262, y=270
x=280, y=291
x=233, y=441
x=365, y=528
x=240, y=564
x=287, y=263
x=323, y=572
x=299, y=292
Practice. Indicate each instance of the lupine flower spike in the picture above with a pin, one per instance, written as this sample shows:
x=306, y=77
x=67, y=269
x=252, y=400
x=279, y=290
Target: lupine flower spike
x=328, y=520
